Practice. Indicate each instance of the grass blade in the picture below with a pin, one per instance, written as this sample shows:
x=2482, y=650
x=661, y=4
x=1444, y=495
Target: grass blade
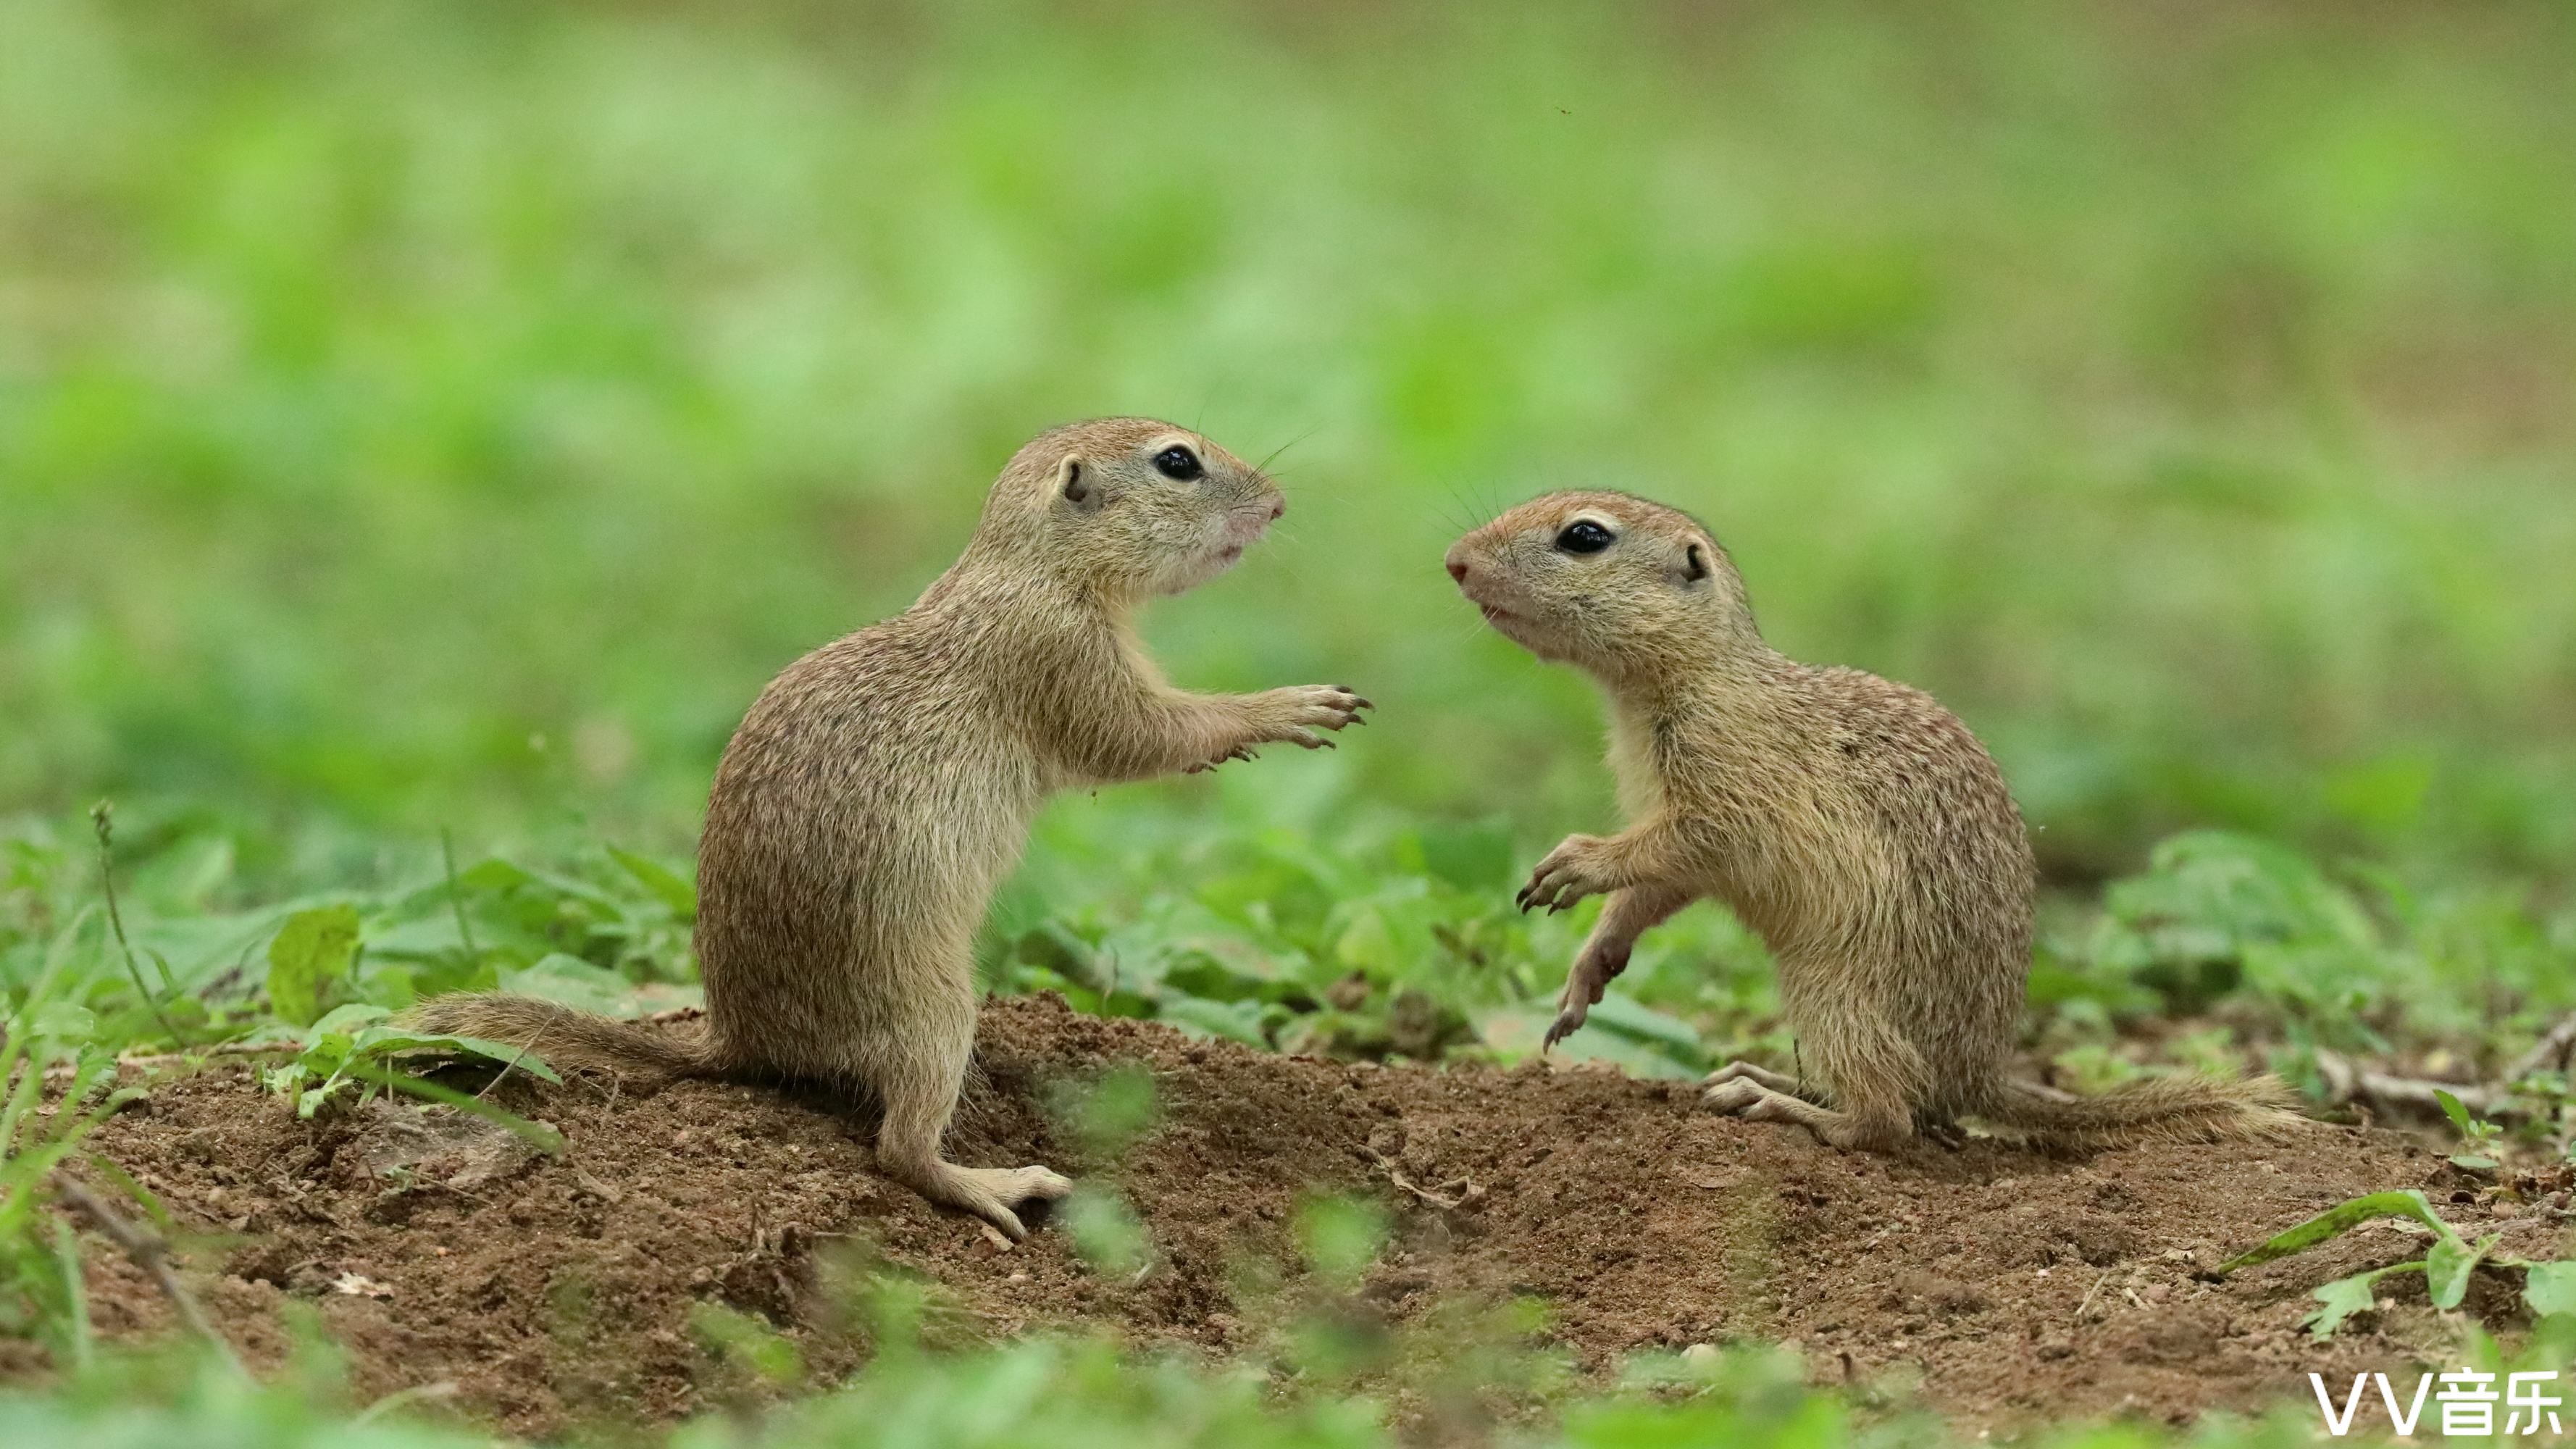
x=2340, y=1219
x=75, y=1294
x=537, y=1134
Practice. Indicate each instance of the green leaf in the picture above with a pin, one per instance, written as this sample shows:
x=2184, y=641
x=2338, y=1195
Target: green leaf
x=1054, y=946
x=2473, y=1162
x=571, y=981
x=1340, y=1237
x=1368, y=943
x=2452, y=1108
x=312, y=951
x=1469, y=857
x=2550, y=1288
x=64, y=1021
x=1233, y=1020
x=494, y=876
x=1619, y=1012
x=1111, y=1111
x=749, y=1342
x=670, y=889
x=379, y=1042
x=2345, y=1297
x=1515, y=1031
x=2340, y=1219
x=1106, y=1232
x=343, y=1019
x=2448, y=1266
x=328, y=1050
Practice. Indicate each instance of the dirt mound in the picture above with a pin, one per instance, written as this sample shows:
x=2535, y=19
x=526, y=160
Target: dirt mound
x=556, y=1289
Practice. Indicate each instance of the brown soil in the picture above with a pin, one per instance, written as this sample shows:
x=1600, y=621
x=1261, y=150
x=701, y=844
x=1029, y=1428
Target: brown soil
x=553, y=1290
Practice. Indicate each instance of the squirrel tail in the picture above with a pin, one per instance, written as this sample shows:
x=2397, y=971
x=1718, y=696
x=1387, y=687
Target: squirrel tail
x=2165, y=1109
x=566, y=1038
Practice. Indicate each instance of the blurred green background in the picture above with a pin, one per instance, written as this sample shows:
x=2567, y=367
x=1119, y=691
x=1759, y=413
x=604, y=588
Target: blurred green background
x=449, y=415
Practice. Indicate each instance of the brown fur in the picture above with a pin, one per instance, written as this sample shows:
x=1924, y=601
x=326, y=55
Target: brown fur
x=883, y=785
x=1853, y=822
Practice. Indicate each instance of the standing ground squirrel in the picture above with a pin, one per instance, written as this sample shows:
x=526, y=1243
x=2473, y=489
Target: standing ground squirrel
x=1854, y=823
x=883, y=785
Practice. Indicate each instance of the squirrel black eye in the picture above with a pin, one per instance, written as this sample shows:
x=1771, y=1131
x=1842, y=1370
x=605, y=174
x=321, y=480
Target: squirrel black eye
x=1584, y=536
x=1178, y=463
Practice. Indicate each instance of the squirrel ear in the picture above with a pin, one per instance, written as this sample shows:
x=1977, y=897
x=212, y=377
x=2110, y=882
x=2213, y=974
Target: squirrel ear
x=1075, y=484
x=1696, y=567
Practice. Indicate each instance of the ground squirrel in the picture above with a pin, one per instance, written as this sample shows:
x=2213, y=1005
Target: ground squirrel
x=1854, y=823
x=883, y=785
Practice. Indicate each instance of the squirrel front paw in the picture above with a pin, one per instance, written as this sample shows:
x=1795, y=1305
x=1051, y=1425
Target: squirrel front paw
x=1299, y=710
x=1591, y=975
x=1239, y=752
x=1573, y=870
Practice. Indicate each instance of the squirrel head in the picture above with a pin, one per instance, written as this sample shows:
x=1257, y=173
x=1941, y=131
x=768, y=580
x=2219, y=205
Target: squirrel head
x=1128, y=508
x=1610, y=582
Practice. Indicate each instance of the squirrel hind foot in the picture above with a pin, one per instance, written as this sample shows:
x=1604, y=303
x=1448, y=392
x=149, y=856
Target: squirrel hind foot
x=990, y=1193
x=1853, y=1131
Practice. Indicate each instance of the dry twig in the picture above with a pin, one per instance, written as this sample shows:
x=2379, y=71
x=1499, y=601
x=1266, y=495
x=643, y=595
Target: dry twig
x=151, y=1060
x=1466, y=1190
x=150, y=1254
x=2498, y=1099
x=2089, y=1292
x=2555, y=1053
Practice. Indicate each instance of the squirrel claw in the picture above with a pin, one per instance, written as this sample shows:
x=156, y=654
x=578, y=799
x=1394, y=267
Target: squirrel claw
x=1239, y=752
x=1568, y=874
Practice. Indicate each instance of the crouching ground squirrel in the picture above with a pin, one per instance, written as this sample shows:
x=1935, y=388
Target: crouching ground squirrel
x=883, y=785
x=1855, y=823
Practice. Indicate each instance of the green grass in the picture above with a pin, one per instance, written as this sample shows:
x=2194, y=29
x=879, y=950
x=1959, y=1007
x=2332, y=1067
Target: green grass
x=1053, y=1393
x=428, y=423
x=2228, y=952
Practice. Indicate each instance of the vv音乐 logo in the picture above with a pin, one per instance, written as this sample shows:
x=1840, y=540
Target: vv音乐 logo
x=2468, y=1404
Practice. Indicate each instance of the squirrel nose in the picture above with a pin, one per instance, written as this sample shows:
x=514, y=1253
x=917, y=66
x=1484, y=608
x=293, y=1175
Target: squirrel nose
x=1278, y=508
x=1457, y=567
